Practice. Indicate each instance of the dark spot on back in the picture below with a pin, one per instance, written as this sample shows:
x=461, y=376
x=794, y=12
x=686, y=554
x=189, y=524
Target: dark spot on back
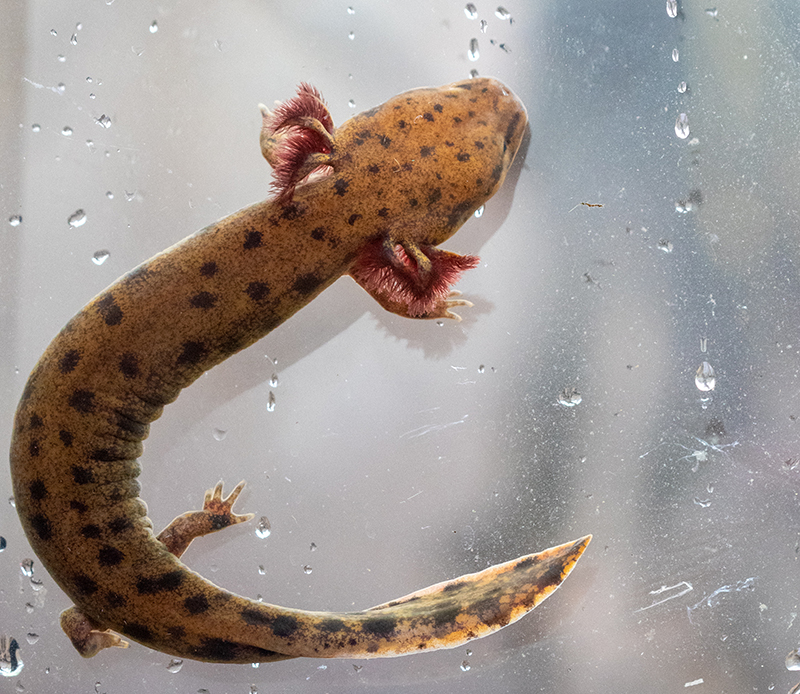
x=119, y=525
x=84, y=585
x=383, y=212
x=341, y=186
x=208, y=269
x=306, y=283
x=78, y=506
x=434, y=196
x=66, y=437
x=257, y=291
x=291, y=212
x=252, y=239
x=385, y=141
x=438, y=108
x=165, y=582
x=331, y=625
x=129, y=365
x=115, y=599
x=82, y=475
x=42, y=527
x=37, y=489
x=82, y=400
x=446, y=615
x=353, y=218
x=284, y=625
x=138, y=632
x=110, y=556
x=318, y=233
x=401, y=124
x=105, y=455
x=33, y=448
x=374, y=168
x=454, y=218
x=479, y=144
x=196, y=604
x=191, y=353
x=35, y=421
x=217, y=649
x=203, y=300
x=69, y=361
x=462, y=156
x=177, y=632
x=428, y=116
x=108, y=309
x=380, y=626
x=426, y=151
x=254, y=617
x=90, y=531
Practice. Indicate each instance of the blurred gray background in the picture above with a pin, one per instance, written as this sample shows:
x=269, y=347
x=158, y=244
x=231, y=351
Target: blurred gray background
x=405, y=452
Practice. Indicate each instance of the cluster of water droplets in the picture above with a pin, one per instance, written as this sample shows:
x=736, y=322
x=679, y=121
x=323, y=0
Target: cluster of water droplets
x=473, y=51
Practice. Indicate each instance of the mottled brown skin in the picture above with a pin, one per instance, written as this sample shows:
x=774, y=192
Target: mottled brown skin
x=409, y=172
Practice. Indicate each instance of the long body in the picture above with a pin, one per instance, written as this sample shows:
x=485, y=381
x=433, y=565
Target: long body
x=385, y=189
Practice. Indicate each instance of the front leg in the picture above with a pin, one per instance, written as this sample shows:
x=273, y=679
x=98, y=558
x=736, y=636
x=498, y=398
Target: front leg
x=411, y=280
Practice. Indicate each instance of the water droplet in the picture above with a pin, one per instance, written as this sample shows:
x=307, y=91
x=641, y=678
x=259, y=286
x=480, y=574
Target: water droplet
x=26, y=566
x=313, y=547
x=15, y=220
x=261, y=570
x=703, y=344
x=74, y=39
x=2, y=543
x=154, y=27
x=705, y=379
x=471, y=11
x=31, y=637
x=465, y=666
x=36, y=127
x=77, y=219
x=10, y=663
x=479, y=212
x=793, y=660
x=474, y=52
x=473, y=73
x=61, y=88
x=675, y=55
x=702, y=503
x=100, y=257
x=468, y=652
x=358, y=668
x=263, y=528
x=307, y=569
x=481, y=368
x=66, y=131
x=89, y=80
x=351, y=10
x=351, y=35
x=61, y=58
x=665, y=245
x=682, y=126
x=53, y=32
x=174, y=666
x=502, y=13
x=219, y=434
x=109, y=195
x=569, y=397
x=273, y=381
x=103, y=121
x=271, y=402
x=712, y=12
x=322, y=667
x=672, y=8
x=683, y=206
x=90, y=145
x=484, y=26
x=682, y=88
x=351, y=103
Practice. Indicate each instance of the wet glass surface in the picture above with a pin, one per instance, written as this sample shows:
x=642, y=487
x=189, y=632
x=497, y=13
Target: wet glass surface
x=629, y=369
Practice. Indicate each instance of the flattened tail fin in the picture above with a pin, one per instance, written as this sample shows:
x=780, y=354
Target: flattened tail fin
x=451, y=613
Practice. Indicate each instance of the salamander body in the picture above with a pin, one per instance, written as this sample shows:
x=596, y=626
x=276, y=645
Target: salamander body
x=372, y=199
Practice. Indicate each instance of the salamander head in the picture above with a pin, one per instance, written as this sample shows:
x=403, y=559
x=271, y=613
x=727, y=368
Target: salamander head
x=429, y=157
